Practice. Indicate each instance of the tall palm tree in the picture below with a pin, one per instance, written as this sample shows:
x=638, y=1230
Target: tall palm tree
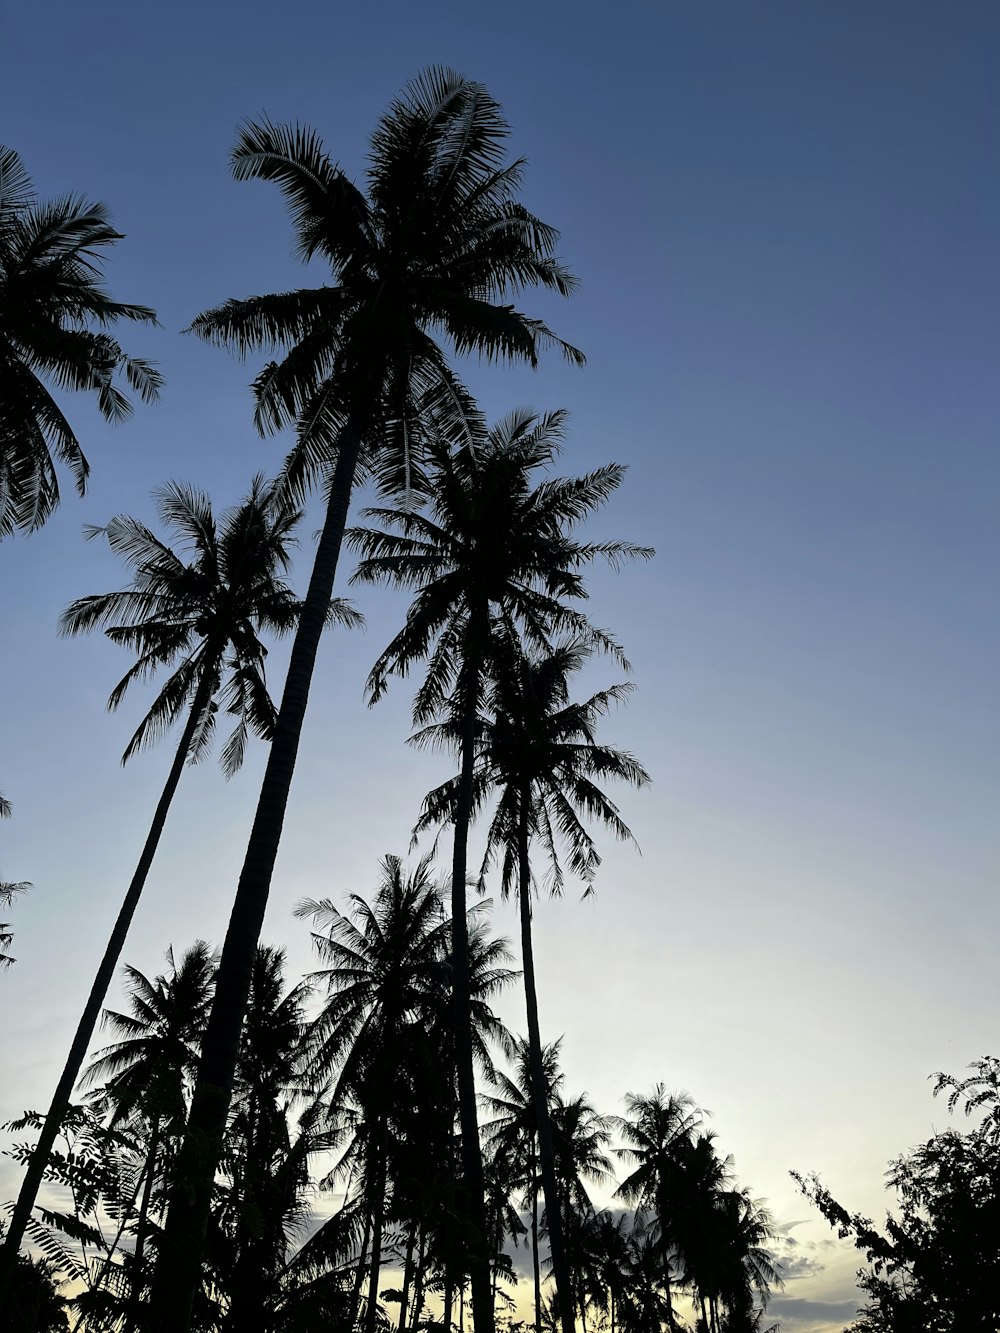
x=145, y=1075
x=539, y=752
x=745, y=1270
x=513, y=1132
x=580, y=1138
x=55, y=314
x=383, y=981
x=657, y=1131
x=438, y=246
x=495, y=556
x=264, y=1200
x=200, y=612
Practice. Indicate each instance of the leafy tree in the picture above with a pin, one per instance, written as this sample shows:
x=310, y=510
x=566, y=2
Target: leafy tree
x=438, y=246
x=96, y=1170
x=202, y=616
x=936, y=1265
x=53, y=331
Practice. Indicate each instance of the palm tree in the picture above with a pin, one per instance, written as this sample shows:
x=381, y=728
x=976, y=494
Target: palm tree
x=202, y=616
x=580, y=1137
x=513, y=1132
x=494, y=557
x=53, y=329
x=7, y=893
x=264, y=1201
x=540, y=752
x=657, y=1131
x=145, y=1075
x=745, y=1267
x=439, y=245
x=383, y=981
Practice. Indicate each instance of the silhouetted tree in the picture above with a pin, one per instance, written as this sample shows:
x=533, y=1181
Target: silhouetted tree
x=936, y=1266
x=202, y=616
x=53, y=332
x=438, y=245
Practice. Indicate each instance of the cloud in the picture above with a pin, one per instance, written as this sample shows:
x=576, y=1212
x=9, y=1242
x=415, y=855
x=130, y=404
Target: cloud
x=797, y=1259
x=802, y=1316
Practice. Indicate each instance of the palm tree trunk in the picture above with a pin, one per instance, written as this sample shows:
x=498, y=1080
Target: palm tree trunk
x=42, y=1150
x=359, y=1276
x=404, y=1298
x=142, y=1228
x=473, y=1183
x=178, y=1269
x=539, y=1092
x=378, y=1215
x=536, y=1260
x=449, y=1300
x=418, y=1277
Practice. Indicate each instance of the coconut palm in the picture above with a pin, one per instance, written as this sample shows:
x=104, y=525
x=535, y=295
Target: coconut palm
x=264, y=1199
x=143, y=1077
x=512, y=1132
x=539, y=752
x=382, y=981
x=200, y=612
x=657, y=1131
x=438, y=246
x=53, y=332
x=745, y=1270
x=580, y=1138
x=494, y=557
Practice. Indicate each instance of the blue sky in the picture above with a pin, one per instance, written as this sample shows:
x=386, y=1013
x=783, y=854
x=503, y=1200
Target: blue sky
x=784, y=218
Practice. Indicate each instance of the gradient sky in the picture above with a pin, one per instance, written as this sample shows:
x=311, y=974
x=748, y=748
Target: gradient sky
x=784, y=216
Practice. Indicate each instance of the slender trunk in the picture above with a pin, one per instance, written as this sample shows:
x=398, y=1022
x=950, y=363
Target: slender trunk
x=378, y=1216
x=473, y=1184
x=178, y=1269
x=612, y=1300
x=404, y=1298
x=42, y=1150
x=671, y=1321
x=536, y=1259
x=418, y=1280
x=359, y=1276
x=449, y=1301
x=124, y=1218
x=141, y=1229
x=539, y=1092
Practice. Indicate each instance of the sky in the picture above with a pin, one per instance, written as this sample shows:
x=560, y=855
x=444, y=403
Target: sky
x=784, y=219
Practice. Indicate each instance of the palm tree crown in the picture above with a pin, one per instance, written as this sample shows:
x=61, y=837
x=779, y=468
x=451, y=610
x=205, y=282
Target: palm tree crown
x=201, y=611
x=54, y=314
x=437, y=247
x=494, y=554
